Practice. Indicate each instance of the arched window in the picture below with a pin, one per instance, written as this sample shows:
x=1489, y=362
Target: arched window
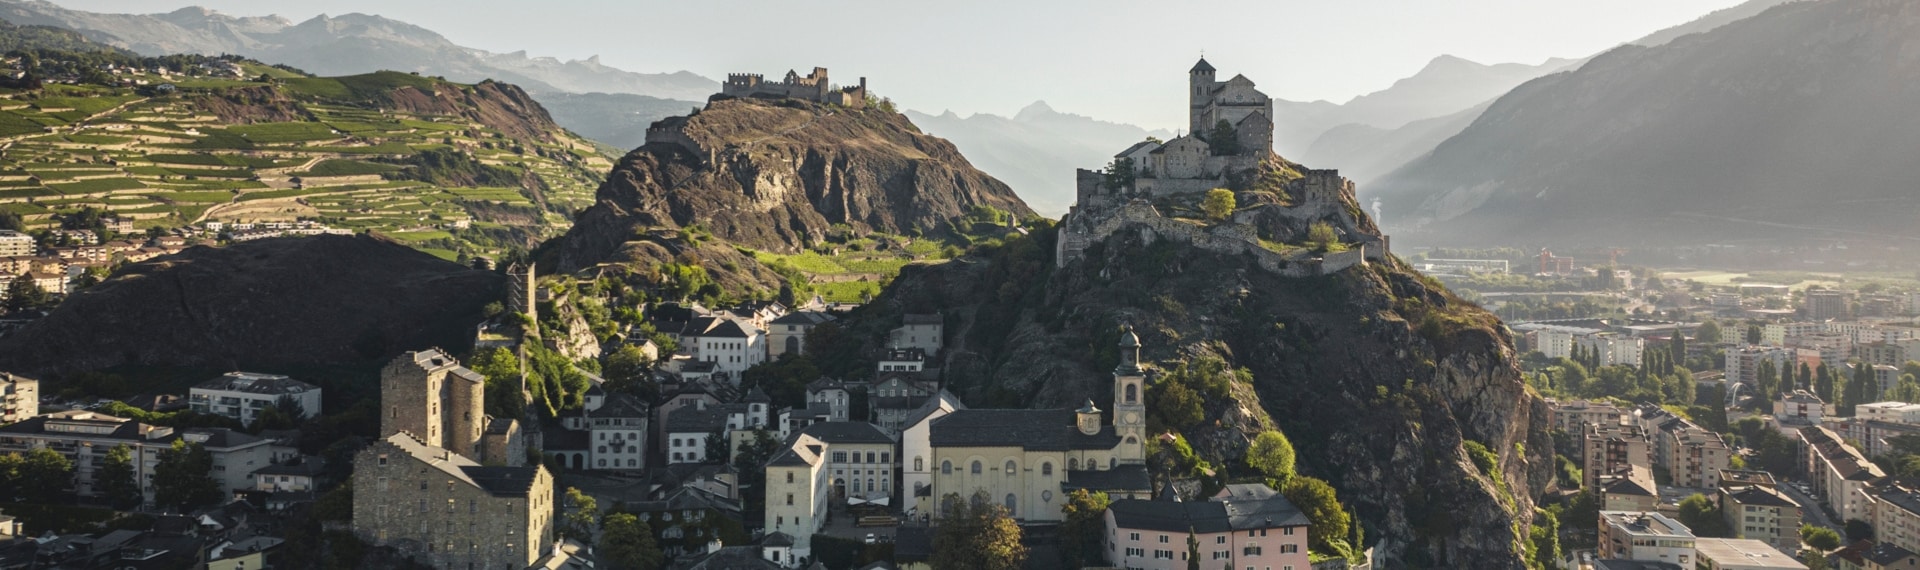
x=1113, y=462
x=1133, y=393
x=976, y=467
x=1073, y=464
x=917, y=465
x=1131, y=440
x=1010, y=468
x=1011, y=505
x=946, y=468
x=1046, y=469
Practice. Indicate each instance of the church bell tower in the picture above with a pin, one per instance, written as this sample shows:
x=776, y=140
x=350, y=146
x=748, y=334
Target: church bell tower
x=1130, y=400
x=1200, y=95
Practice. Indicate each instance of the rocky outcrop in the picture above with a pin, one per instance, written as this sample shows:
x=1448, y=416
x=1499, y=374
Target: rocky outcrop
x=275, y=304
x=1379, y=375
x=778, y=175
x=250, y=105
x=502, y=106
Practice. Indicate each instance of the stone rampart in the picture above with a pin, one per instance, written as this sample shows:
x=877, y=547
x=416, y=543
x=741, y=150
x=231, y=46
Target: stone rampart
x=1230, y=239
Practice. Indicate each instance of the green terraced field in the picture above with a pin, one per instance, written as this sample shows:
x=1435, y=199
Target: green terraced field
x=169, y=161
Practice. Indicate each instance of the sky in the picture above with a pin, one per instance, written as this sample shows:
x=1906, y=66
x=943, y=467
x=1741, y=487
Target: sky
x=1119, y=60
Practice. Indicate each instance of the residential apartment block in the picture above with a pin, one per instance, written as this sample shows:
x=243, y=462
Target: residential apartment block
x=1645, y=536
x=242, y=395
x=1839, y=474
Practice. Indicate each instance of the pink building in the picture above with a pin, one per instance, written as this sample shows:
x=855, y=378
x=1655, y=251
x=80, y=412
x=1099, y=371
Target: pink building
x=1246, y=526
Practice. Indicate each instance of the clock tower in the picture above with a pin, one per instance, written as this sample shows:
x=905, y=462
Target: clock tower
x=1129, y=401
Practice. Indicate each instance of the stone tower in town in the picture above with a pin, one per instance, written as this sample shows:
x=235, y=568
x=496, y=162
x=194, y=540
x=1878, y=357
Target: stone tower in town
x=429, y=395
x=1130, y=401
x=1199, y=95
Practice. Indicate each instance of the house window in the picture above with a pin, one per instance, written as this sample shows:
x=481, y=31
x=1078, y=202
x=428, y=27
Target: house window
x=1163, y=539
x=946, y=468
x=789, y=476
x=976, y=467
x=789, y=500
x=916, y=464
x=1073, y=464
x=1133, y=393
x=1289, y=548
x=1046, y=469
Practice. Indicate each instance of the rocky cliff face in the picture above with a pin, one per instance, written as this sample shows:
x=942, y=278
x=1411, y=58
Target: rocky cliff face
x=1378, y=375
x=269, y=304
x=777, y=175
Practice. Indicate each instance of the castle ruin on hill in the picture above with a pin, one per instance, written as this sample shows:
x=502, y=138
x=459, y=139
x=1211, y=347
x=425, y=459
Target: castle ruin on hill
x=1230, y=134
x=813, y=87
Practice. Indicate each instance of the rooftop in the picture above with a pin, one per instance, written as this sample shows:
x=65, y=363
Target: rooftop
x=1746, y=554
x=847, y=432
x=1646, y=524
x=256, y=383
x=1029, y=429
x=1215, y=516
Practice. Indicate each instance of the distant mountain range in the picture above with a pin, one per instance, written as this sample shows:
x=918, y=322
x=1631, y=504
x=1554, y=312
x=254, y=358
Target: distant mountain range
x=1036, y=150
x=1796, y=123
x=348, y=44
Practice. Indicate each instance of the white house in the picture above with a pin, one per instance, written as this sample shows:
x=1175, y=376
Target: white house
x=732, y=345
x=916, y=451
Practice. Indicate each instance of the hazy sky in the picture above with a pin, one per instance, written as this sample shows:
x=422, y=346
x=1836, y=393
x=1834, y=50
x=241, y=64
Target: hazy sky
x=1123, y=60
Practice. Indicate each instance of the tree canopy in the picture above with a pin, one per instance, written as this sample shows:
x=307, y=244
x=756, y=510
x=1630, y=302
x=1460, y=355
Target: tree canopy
x=976, y=534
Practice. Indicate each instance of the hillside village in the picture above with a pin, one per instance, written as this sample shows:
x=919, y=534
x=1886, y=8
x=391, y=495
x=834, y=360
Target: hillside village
x=601, y=419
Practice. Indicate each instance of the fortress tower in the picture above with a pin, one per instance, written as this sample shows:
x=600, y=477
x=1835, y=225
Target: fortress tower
x=430, y=395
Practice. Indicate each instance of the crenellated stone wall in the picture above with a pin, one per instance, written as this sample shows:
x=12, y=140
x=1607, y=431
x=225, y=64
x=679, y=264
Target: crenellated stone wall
x=1226, y=239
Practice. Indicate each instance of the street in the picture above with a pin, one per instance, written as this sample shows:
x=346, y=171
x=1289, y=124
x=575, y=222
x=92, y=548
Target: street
x=1810, y=509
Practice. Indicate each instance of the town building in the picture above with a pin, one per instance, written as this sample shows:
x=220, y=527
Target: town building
x=895, y=396
x=835, y=395
x=1800, y=408
x=683, y=517
x=1737, y=554
x=798, y=492
x=860, y=461
x=616, y=426
x=732, y=344
x=243, y=395
x=1027, y=460
x=1884, y=556
x=1691, y=456
x=1645, y=536
x=19, y=398
x=85, y=438
x=1761, y=512
x=916, y=451
x=689, y=431
x=429, y=395
x=1776, y=334
x=1743, y=365
x=1267, y=532
x=1824, y=304
x=1839, y=474
x=926, y=332
x=1896, y=516
x=788, y=334
x=1614, y=449
x=14, y=243
x=1573, y=416
x=813, y=87
x=445, y=510
x=1633, y=490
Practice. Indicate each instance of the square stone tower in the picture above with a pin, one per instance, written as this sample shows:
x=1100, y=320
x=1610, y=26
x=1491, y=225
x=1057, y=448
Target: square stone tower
x=430, y=395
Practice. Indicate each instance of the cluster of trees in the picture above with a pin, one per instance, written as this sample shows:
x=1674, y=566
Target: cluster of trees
x=1218, y=204
x=976, y=534
x=1655, y=382
x=625, y=542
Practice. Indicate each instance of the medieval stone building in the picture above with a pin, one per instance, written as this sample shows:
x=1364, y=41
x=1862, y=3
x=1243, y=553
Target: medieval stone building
x=1231, y=134
x=813, y=87
x=430, y=396
x=447, y=511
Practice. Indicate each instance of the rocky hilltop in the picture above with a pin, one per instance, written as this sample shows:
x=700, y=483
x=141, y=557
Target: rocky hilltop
x=265, y=305
x=1779, y=126
x=778, y=175
x=1381, y=377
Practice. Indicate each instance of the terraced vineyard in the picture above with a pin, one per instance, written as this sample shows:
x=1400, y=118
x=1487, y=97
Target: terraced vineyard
x=450, y=168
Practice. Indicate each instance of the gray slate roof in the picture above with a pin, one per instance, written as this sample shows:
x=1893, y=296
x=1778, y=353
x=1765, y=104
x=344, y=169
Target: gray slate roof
x=847, y=432
x=1121, y=478
x=1037, y=430
x=1206, y=517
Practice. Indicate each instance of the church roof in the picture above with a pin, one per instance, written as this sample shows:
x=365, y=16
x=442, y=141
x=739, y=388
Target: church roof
x=1136, y=148
x=1202, y=66
x=1119, y=478
x=1049, y=430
